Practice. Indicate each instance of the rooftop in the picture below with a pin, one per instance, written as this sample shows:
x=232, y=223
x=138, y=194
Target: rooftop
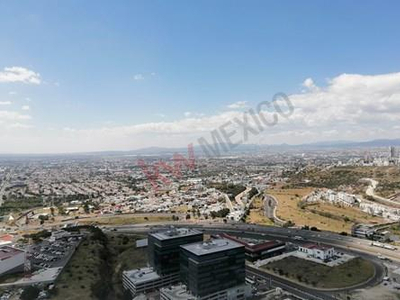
x=212, y=246
x=7, y=252
x=142, y=275
x=174, y=233
x=177, y=292
x=254, y=246
x=319, y=247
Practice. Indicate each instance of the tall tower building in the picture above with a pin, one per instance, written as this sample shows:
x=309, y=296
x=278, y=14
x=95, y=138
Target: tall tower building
x=164, y=248
x=392, y=152
x=214, y=269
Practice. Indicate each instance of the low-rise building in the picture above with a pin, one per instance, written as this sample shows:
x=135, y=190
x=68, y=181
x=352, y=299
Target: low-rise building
x=12, y=260
x=262, y=250
x=180, y=292
x=317, y=251
x=144, y=280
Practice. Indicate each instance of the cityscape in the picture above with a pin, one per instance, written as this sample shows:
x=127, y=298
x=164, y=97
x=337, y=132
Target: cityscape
x=199, y=150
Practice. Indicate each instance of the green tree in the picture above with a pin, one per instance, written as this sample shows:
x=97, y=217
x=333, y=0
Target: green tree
x=86, y=208
x=30, y=293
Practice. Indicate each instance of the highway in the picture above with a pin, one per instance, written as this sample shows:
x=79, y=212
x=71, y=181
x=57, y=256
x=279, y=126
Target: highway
x=345, y=244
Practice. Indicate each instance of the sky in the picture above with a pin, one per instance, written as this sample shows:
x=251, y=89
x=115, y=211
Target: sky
x=79, y=76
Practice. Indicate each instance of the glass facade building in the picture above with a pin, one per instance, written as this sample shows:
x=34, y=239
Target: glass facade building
x=164, y=248
x=209, y=267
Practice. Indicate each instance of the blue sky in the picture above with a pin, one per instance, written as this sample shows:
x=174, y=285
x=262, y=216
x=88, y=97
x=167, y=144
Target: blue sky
x=108, y=66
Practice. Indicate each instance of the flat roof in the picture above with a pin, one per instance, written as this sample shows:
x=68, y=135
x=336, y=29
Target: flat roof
x=7, y=252
x=212, y=246
x=142, y=275
x=315, y=246
x=177, y=292
x=253, y=247
x=174, y=233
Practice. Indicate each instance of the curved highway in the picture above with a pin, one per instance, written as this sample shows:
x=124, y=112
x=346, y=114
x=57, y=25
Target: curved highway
x=345, y=244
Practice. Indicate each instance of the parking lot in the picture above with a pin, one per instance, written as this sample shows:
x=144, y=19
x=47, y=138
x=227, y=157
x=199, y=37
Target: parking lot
x=53, y=254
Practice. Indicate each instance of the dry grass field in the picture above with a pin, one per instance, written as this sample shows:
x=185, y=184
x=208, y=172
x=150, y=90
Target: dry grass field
x=288, y=209
x=125, y=220
x=256, y=214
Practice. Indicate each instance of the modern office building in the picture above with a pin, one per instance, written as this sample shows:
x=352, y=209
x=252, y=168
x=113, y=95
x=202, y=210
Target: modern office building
x=163, y=252
x=213, y=269
x=164, y=248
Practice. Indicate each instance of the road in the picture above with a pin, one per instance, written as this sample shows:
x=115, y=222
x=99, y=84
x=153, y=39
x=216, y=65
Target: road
x=238, y=197
x=285, y=234
x=349, y=245
x=291, y=287
x=371, y=192
x=228, y=202
x=270, y=204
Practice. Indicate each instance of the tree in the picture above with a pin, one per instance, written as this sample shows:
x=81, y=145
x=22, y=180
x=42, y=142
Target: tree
x=61, y=210
x=187, y=216
x=52, y=210
x=30, y=293
x=86, y=208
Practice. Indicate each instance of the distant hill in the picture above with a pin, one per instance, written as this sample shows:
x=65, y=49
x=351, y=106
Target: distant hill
x=240, y=149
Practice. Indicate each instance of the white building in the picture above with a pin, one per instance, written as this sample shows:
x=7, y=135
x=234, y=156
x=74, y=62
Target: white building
x=145, y=279
x=317, y=251
x=11, y=260
x=180, y=292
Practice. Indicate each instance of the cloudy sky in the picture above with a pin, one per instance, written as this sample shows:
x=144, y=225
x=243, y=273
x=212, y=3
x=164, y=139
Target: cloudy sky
x=119, y=75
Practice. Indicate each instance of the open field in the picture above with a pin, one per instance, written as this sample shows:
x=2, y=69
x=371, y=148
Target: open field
x=125, y=219
x=124, y=256
x=289, y=210
x=318, y=275
x=388, y=177
x=256, y=213
x=94, y=271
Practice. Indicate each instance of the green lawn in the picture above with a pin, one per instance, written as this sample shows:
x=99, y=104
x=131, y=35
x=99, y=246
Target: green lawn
x=318, y=275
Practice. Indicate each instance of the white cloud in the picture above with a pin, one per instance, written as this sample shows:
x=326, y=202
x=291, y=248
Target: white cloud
x=12, y=116
x=12, y=93
x=19, y=74
x=25, y=107
x=138, y=77
x=349, y=106
x=238, y=104
x=5, y=102
x=160, y=115
x=189, y=114
x=309, y=84
x=20, y=126
x=28, y=99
